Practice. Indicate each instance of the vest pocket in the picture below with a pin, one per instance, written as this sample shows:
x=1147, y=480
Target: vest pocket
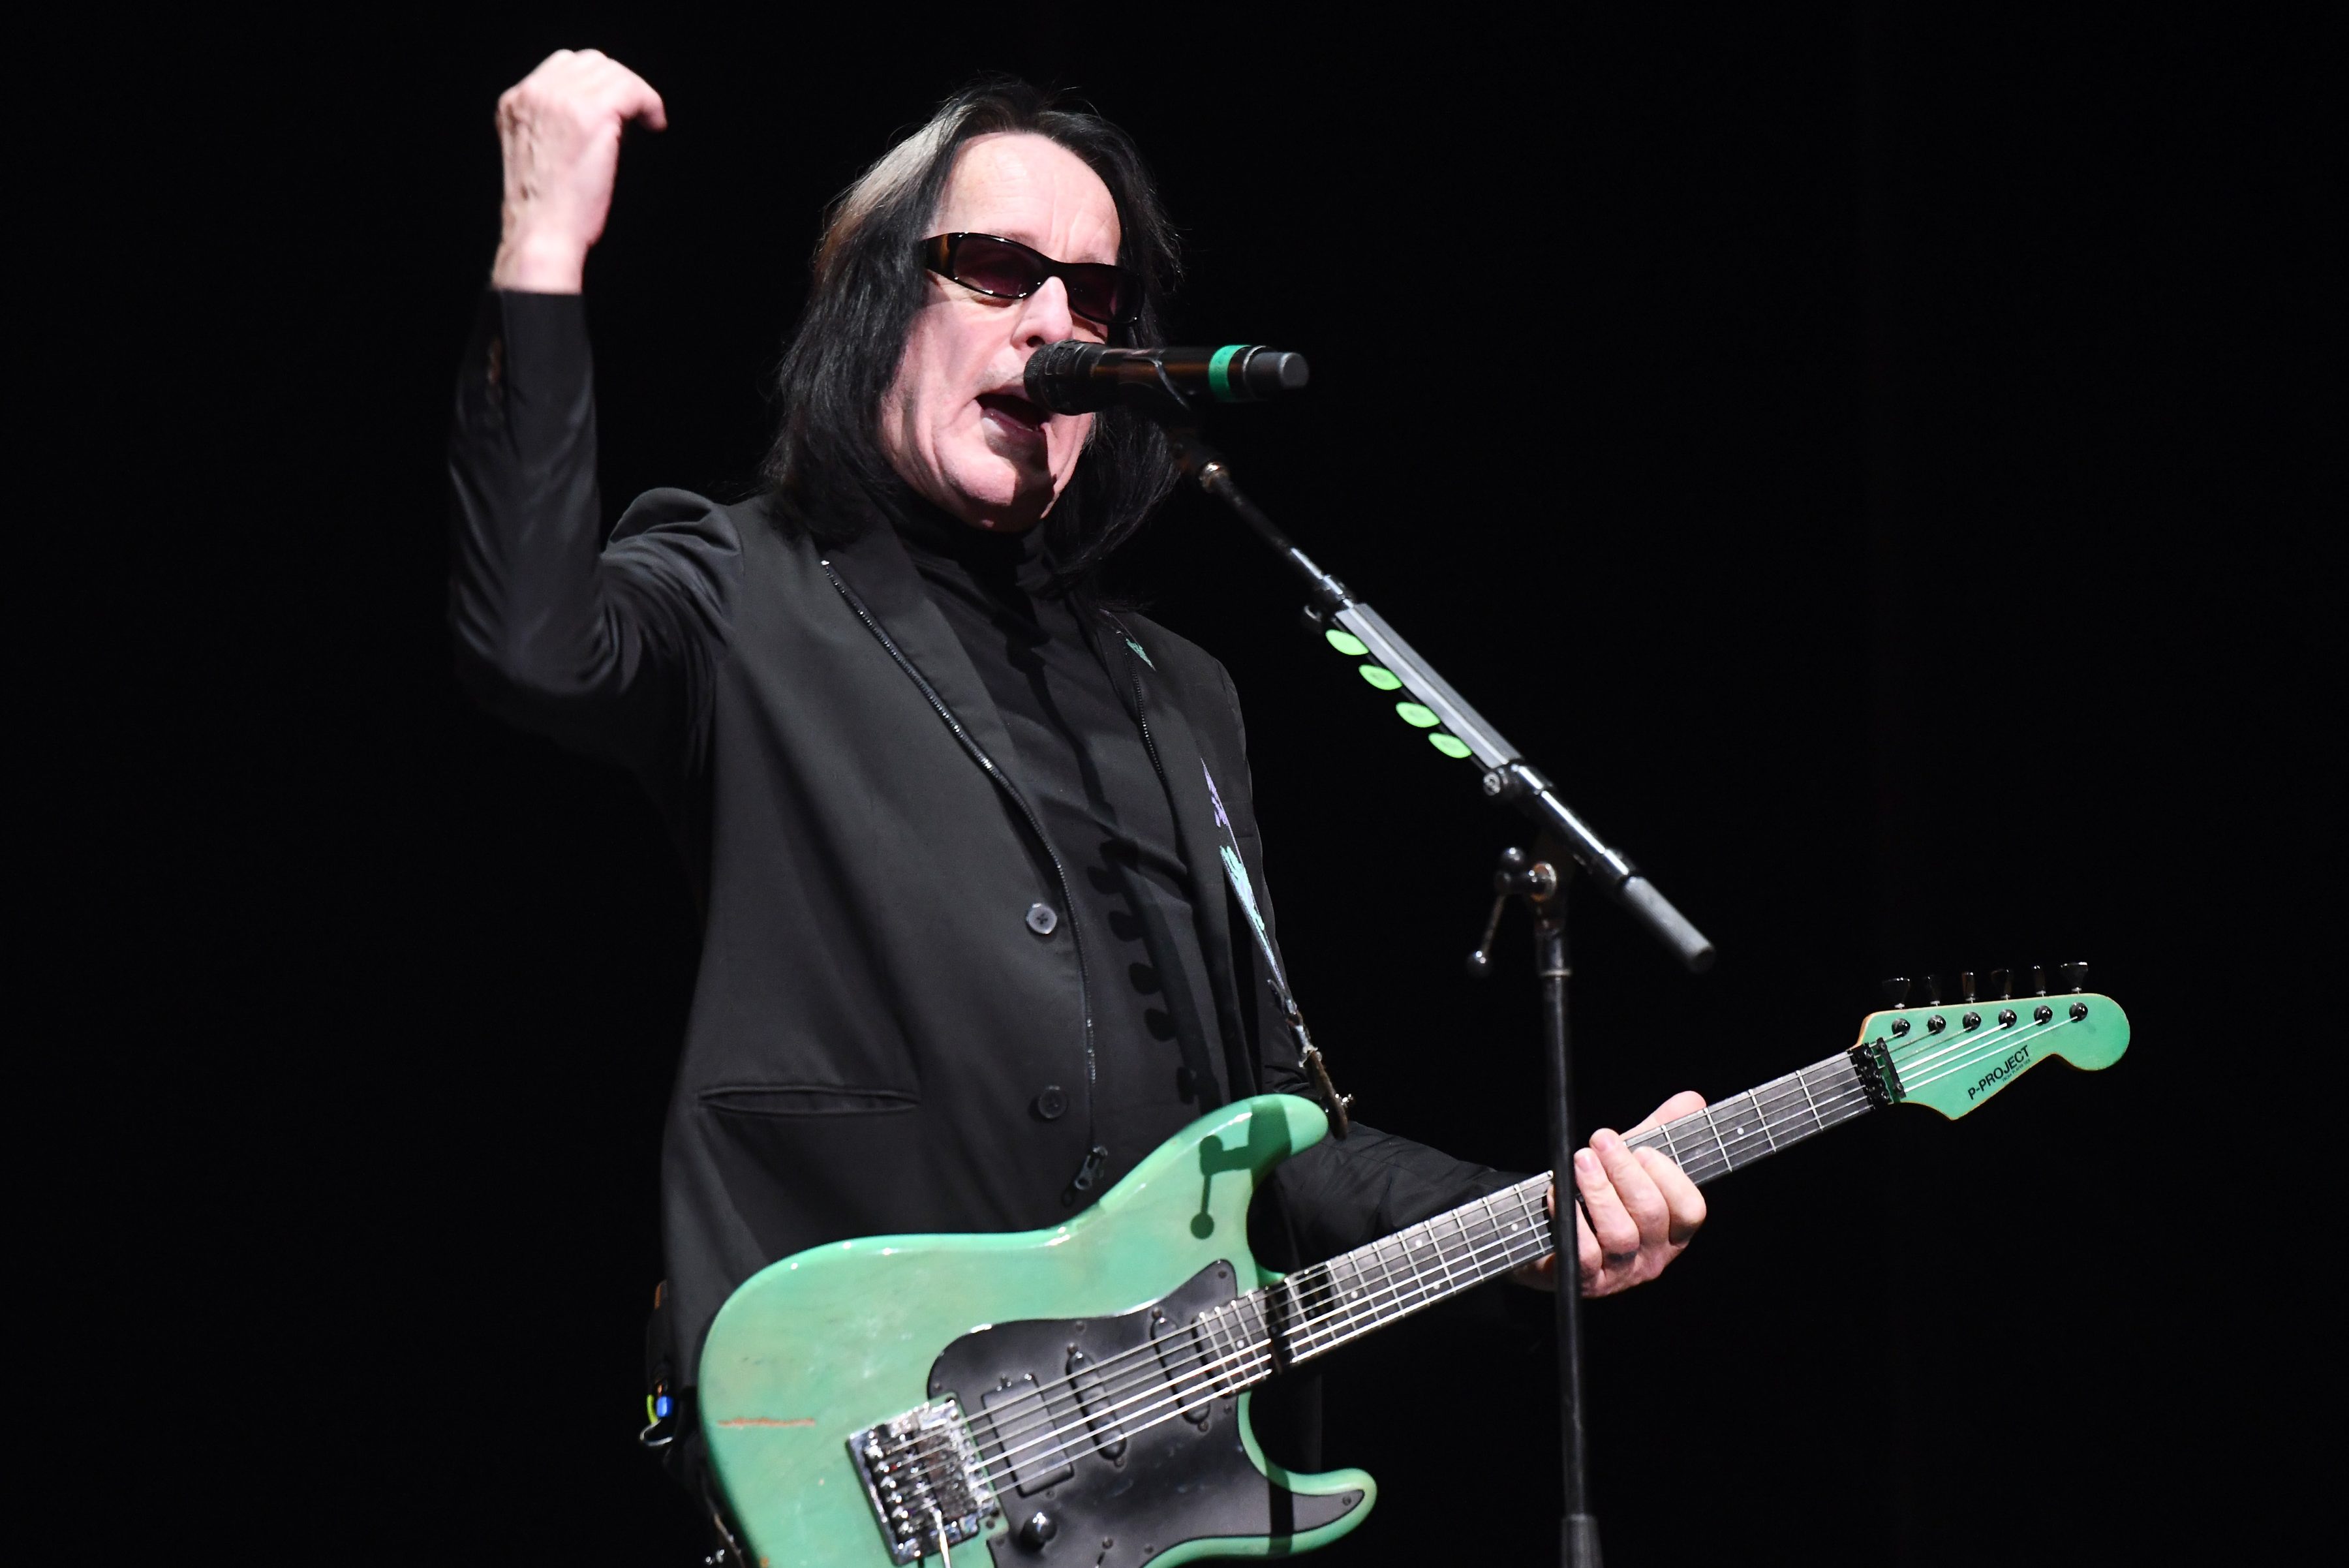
x=805, y=1100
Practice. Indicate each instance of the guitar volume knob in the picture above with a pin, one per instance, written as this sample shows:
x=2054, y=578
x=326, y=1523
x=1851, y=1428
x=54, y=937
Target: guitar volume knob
x=1040, y=1529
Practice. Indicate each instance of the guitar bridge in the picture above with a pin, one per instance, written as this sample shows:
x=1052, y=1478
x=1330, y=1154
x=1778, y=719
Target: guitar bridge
x=923, y=1474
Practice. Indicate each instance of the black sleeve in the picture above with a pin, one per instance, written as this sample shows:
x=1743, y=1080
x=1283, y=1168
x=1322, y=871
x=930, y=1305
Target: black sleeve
x=1344, y=1192
x=607, y=651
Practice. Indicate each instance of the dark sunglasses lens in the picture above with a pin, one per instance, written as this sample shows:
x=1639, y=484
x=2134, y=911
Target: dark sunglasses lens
x=995, y=268
x=1097, y=293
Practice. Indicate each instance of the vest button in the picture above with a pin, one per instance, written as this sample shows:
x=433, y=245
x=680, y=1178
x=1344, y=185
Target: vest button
x=1051, y=1103
x=1043, y=919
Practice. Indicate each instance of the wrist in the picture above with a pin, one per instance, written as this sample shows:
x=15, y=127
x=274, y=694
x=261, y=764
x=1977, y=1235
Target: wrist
x=535, y=261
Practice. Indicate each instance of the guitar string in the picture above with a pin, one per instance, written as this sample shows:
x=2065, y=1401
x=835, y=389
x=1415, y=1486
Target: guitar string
x=1518, y=1249
x=1184, y=1402
x=1739, y=1140
x=1969, y=1040
x=1320, y=1332
x=1294, y=1285
x=1362, y=1316
x=1348, y=1322
x=1351, y=1316
x=1307, y=1279
x=1123, y=1400
x=1374, y=1309
x=1296, y=1288
x=1991, y=1045
x=1253, y=1359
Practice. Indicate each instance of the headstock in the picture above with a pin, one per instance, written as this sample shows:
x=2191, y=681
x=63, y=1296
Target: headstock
x=1954, y=1057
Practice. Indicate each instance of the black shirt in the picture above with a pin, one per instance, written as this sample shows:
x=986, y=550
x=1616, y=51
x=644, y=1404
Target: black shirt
x=1080, y=754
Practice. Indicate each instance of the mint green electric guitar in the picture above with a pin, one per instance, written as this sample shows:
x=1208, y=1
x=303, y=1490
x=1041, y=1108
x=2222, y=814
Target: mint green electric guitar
x=1078, y=1395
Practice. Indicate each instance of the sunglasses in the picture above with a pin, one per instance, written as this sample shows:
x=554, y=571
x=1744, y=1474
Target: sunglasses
x=1006, y=269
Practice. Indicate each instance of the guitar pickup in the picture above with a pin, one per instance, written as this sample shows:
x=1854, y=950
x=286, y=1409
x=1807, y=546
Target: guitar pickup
x=1101, y=1414
x=1182, y=1352
x=1026, y=1428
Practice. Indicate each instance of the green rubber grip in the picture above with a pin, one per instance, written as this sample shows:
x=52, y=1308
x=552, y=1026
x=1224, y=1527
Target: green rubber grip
x=1219, y=373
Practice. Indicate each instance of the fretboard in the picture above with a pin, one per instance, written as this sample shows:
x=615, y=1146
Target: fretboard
x=1322, y=1306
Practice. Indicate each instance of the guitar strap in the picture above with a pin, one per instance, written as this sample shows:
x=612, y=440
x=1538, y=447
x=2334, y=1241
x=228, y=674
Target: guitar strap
x=1236, y=872
x=1309, y=1055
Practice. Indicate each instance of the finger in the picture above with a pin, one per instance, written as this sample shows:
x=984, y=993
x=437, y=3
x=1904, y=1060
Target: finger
x=621, y=92
x=645, y=105
x=1634, y=1187
x=631, y=97
x=1541, y=1274
x=1682, y=1201
x=1617, y=1232
x=1687, y=1103
x=1588, y=1255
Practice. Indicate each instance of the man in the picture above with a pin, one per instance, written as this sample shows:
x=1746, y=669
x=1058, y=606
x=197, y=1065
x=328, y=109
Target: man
x=970, y=951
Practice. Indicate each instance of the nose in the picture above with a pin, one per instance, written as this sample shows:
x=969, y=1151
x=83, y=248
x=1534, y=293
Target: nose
x=1045, y=316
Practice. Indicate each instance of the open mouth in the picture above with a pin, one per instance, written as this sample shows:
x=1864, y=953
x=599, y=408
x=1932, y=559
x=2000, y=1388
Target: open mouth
x=1014, y=414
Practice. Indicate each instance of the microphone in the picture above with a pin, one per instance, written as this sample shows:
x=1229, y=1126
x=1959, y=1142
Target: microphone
x=1076, y=378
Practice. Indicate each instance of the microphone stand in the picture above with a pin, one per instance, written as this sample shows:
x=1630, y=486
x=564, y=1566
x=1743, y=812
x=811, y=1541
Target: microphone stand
x=1510, y=780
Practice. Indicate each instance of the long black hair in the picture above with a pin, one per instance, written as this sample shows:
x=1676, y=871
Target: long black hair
x=827, y=466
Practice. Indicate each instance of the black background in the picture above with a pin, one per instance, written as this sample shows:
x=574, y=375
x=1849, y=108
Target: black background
x=1869, y=459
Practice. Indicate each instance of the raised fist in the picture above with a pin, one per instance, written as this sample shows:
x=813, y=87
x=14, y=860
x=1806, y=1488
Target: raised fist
x=559, y=129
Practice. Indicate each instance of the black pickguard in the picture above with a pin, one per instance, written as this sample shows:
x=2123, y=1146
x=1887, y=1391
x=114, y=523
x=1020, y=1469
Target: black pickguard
x=1147, y=1489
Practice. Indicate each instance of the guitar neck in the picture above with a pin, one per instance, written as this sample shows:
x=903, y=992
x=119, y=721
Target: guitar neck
x=1322, y=1306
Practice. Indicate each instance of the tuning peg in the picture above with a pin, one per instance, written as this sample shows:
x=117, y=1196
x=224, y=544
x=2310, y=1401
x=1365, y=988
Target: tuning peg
x=2004, y=981
x=1896, y=991
x=2038, y=980
x=2073, y=975
x=1965, y=985
x=1932, y=991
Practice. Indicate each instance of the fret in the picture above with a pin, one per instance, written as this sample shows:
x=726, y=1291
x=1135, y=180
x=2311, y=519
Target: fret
x=1291, y=1302
x=1345, y=1279
x=1319, y=1287
x=1502, y=1232
x=1787, y=1115
x=1408, y=1277
x=1322, y=1306
x=1477, y=1232
x=1713, y=1127
x=1386, y=1252
x=1530, y=1235
x=1452, y=1252
x=1244, y=1361
x=1443, y=1248
x=1415, y=1258
x=1218, y=1362
x=1250, y=1329
x=1227, y=1357
x=1803, y=1082
x=1849, y=1099
x=1438, y=1254
x=1538, y=1213
x=1738, y=1130
x=1762, y=1116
